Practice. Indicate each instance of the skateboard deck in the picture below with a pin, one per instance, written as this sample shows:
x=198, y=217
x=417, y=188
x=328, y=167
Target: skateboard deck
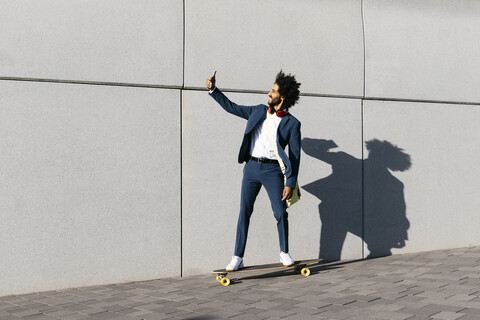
x=299, y=267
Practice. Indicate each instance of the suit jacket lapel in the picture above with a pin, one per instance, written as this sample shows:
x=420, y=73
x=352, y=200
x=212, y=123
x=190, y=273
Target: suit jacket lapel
x=255, y=119
x=283, y=122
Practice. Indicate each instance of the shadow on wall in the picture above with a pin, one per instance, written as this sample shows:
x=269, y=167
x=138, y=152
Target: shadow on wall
x=384, y=224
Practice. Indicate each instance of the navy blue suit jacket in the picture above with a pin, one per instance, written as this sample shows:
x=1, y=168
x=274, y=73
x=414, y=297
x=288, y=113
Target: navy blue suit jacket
x=288, y=133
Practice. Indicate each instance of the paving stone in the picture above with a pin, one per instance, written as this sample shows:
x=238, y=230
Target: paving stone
x=79, y=308
x=306, y=311
x=472, y=311
x=25, y=313
x=265, y=305
x=138, y=314
x=301, y=317
x=193, y=316
x=157, y=316
x=74, y=316
x=206, y=310
x=39, y=317
x=272, y=313
x=283, y=301
x=104, y=315
x=385, y=307
x=460, y=297
x=446, y=315
x=243, y=301
x=340, y=315
x=392, y=315
x=166, y=310
x=222, y=314
x=319, y=304
x=59, y=313
x=358, y=304
x=234, y=307
x=10, y=309
x=440, y=307
x=440, y=284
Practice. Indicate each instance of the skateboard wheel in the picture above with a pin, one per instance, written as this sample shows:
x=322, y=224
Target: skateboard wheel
x=219, y=279
x=306, y=272
x=225, y=282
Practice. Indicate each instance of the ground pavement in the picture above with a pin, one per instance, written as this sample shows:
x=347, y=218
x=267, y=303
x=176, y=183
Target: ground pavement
x=431, y=285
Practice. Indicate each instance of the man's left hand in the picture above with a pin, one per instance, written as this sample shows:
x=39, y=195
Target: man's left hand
x=287, y=193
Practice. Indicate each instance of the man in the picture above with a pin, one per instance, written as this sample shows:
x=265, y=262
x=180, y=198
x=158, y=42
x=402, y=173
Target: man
x=262, y=167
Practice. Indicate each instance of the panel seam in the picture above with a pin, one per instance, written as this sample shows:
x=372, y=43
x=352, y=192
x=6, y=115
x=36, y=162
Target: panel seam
x=363, y=124
x=181, y=142
x=184, y=88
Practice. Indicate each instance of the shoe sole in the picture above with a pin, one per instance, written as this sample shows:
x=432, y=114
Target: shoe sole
x=239, y=267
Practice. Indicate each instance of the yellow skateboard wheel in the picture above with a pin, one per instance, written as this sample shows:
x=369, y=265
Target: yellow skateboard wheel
x=219, y=279
x=306, y=272
x=225, y=282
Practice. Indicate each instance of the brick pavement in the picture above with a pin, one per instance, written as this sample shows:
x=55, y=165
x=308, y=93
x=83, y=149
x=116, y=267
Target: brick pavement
x=441, y=285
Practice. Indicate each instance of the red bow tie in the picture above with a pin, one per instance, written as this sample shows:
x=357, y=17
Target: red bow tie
x=280, y=113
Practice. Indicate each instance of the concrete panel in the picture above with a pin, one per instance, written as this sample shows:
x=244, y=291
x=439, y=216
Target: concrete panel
x=438, y=194
x=318, y=40
x=114, y=40
x=330, y=177
x=423, y=50
x=90, y=185
x=212, y=179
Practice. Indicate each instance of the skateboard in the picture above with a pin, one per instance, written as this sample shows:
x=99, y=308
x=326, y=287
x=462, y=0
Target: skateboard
x=299, y=268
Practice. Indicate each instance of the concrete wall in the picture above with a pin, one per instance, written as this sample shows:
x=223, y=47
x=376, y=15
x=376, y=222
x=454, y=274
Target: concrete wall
x=90, y=170
x=117, y=165
x=440, y=190
x=90, y=185
x=123, y=41
x=247, y=44
x=426, y=54
x=422, y=50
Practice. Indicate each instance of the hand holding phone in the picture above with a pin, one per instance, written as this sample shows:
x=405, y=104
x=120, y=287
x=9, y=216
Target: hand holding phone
x=210, y=83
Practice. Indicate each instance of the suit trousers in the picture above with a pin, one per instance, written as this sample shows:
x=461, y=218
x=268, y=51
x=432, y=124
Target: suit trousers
x=255, y=175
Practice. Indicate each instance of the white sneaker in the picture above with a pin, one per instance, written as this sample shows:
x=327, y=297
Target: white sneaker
x=237, y=262
x=286, y=259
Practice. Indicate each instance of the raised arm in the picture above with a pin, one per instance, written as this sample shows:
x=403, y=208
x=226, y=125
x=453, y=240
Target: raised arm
x=225, y=103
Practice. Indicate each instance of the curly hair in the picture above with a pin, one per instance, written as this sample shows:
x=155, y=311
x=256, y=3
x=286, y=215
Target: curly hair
x=288, y=88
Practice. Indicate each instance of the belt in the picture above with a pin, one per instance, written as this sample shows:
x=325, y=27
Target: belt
x=264, y=160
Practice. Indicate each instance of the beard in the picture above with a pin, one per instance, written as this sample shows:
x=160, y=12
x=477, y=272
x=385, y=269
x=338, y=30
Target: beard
x=274, y=102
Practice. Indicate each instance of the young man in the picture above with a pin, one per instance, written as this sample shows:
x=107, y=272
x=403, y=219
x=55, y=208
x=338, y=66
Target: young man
x=262, y=167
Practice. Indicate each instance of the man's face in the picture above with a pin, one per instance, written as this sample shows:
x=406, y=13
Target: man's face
x=274, y=97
